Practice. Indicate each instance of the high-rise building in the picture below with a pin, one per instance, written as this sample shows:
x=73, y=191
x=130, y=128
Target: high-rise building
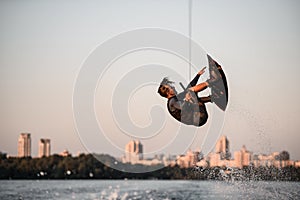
x=214, y=159
x=134, y=151
x=222, y=148
x=242, y=158
x=190, y=159
x=24, y=145
x=44, y=147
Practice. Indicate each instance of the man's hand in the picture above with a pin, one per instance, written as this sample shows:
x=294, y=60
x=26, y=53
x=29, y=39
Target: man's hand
x=188, y=97
x=202, y=71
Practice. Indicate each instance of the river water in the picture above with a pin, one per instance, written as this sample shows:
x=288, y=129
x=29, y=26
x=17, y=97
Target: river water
x=146, y=189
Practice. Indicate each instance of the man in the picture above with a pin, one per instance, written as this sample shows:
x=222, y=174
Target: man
x=186, y=106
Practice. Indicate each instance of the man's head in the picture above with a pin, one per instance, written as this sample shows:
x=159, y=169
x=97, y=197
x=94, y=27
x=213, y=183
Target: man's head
x=166, y=88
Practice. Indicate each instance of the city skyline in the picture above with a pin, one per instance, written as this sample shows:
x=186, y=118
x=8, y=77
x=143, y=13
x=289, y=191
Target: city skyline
x=220, y=157
x=44, y=47
x=133, y=153
x=134, y=146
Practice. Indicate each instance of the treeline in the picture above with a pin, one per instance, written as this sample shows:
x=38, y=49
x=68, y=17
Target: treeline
x=88, y=167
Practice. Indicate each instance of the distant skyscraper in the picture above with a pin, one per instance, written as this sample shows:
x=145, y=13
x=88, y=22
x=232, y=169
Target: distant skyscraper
x=24, y=145
x=242, y=158
x=214, y=159
x=44, y=147
x=134, y=151
x=190, y=159
x=222, y=147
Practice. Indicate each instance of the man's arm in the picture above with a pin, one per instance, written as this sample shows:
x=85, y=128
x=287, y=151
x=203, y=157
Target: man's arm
x=195, y=80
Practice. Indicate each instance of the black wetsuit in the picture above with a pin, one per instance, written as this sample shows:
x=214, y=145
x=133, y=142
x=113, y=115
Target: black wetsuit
x=187, y=112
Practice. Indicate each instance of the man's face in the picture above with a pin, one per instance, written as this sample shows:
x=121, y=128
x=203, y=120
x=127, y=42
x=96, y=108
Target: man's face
x=171, y=90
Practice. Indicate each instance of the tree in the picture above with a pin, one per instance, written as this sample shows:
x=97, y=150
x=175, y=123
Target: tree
x=284, y=155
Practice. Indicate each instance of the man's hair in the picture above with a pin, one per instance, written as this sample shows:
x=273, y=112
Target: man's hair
x=162, y=90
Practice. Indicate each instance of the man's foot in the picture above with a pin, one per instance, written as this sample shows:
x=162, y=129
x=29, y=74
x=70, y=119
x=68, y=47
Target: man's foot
x=214, y=78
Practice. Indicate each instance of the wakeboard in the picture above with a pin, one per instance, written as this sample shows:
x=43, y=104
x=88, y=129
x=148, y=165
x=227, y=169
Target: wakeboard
x=219, y=88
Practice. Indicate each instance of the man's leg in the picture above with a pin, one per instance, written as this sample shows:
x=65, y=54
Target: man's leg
x=205, y=99
x=201, y=116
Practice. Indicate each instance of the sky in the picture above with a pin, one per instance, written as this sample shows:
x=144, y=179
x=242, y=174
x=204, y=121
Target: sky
x=46, y=44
